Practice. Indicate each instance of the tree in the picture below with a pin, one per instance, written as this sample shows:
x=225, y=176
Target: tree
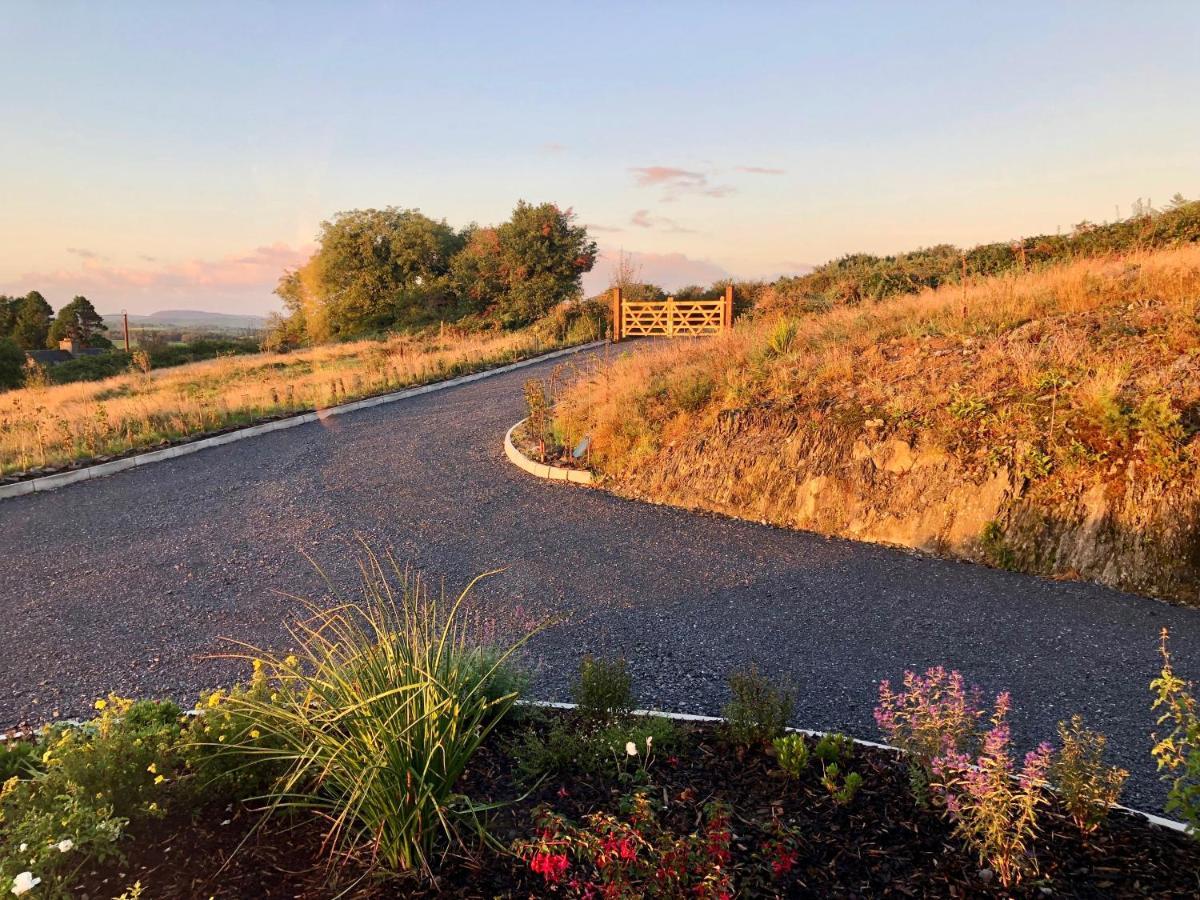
x=8, y=314
x=543, y=255
x=377, y=268
x=12, y=362
x=32, y=322
x=80, y=322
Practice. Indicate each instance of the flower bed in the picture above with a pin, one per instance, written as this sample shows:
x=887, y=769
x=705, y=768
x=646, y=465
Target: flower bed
x=386, y=756
x=705, y=811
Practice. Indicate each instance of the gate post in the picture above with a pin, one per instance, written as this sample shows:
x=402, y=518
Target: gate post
x=616, y=311
x=727, y=324
x=670, y=317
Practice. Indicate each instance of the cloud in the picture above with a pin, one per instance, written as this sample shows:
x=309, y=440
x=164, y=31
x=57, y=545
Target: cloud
x=677, y=182
x=239, y=282
x=643, y=219
x=668, y=270
x=602, y=228
x=760, y=170
x=84, y=254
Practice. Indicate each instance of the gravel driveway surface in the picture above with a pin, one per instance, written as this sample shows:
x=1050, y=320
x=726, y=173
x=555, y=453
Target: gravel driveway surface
x=132, y=582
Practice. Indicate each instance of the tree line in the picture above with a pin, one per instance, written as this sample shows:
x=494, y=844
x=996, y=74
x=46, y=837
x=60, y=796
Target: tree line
x=29, y=323
x=377, y=270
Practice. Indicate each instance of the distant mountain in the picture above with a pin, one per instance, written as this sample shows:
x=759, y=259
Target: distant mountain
x=191, y=318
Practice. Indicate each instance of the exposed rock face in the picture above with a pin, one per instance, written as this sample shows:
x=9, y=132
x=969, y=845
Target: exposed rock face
x=839, y=480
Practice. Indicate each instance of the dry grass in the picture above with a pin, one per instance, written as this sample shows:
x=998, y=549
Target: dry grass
x=49, y=426
x=1087, y=369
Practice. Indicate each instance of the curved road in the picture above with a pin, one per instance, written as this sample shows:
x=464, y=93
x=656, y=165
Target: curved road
x=129, y=583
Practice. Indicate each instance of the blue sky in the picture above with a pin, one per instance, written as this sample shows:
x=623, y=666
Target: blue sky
x=181, y=155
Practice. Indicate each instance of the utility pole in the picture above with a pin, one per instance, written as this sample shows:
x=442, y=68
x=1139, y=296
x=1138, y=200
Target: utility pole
x=125, y=319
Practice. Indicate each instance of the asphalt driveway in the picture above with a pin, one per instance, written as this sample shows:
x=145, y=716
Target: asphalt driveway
x=131, y=582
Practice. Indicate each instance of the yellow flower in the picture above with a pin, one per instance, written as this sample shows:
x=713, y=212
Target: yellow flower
x=158, y=779
x=291, y=661
x=100, y=704
x=258, y=664
x=255, y=733
x=152, y=769
x=214, y=699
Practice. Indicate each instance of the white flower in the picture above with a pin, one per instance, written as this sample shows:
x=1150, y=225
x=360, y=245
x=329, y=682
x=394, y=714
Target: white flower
x=23, y=848
x=649, y=739
x=64, y=845
x=25, y=882
x=631, y=748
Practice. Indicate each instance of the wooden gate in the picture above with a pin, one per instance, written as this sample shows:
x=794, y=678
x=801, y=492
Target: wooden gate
x=671, y=317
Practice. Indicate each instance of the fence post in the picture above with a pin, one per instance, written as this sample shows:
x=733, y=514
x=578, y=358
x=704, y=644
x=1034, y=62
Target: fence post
x=670, y=317
x=616, y=309
x=727, y=324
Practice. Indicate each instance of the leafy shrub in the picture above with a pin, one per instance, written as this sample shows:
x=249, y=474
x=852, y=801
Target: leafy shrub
x=792, y=752
x=376, y=717
x=560, y=745
x=934, y=713
x=758, y=711
x=604, y=690
x=89, y=368
x=1178, y=753
x=994, y=808
x=1088, y=787
x=632, y=854
x=18, y=757
x=85, y=786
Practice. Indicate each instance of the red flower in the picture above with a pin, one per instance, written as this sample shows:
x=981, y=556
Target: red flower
x=550, y=866
x=784, y=862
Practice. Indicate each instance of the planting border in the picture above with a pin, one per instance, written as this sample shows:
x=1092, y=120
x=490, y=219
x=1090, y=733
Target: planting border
x=541, y=470
x=62, y=479
x=1153, y=819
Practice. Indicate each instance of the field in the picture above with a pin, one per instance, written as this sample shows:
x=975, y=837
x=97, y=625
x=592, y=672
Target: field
x=1045, y=421
x=51, y=426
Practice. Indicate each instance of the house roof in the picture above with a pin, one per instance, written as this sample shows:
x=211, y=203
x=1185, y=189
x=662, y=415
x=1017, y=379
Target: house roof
x=49, y=357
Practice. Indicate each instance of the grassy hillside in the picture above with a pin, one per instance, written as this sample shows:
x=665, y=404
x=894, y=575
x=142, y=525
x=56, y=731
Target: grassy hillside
x=53, y=425
x=1044, y=421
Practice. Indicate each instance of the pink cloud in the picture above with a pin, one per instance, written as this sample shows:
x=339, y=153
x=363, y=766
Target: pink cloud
x=668, y=270
x=643, y=219
x=760, y=170
x=676, y=182
x=241, y=282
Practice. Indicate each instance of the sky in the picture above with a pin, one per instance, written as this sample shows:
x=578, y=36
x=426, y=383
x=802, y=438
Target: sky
x=182, y=155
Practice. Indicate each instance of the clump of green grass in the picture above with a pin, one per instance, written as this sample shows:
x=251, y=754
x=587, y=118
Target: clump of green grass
x=376, y=715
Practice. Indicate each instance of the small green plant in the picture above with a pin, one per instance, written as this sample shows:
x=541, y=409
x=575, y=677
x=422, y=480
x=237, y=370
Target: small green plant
x=376, y=717
x=792, y=752
x=555, y=744
x=537, y=407
x=1088, y=787
x=782, y=338
x=842, y=788
x=603, y=691
x=967, y=408
x=995, y=546
x=74, y=796
x=758, y=711
x=1178, y=752
x=835, y=752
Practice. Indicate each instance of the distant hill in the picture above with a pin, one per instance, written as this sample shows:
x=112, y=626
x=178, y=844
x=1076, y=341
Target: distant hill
x=190, y=318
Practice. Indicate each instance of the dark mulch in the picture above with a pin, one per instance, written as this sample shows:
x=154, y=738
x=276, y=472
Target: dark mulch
x=881, y=845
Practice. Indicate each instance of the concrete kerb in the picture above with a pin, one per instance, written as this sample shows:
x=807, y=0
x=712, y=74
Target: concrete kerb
x=541, y=470
x=62, y=479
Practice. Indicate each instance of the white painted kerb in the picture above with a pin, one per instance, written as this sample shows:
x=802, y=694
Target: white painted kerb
x=62, y=479
x=541, y=470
